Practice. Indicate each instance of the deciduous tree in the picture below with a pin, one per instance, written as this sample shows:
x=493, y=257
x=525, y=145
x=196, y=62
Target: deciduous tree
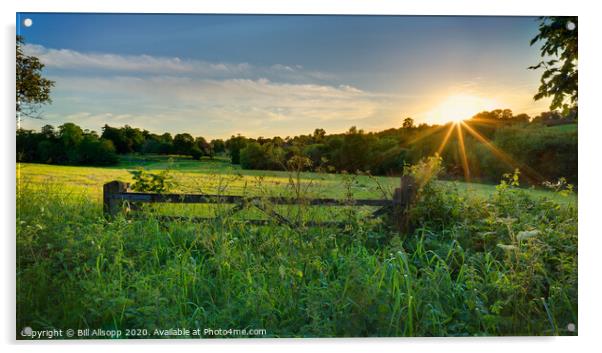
x=33, y=90
x=559, y=59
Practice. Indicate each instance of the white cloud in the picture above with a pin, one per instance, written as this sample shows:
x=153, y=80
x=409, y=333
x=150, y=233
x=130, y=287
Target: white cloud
x=212, y=99
x=213, y=108
x=74, y=60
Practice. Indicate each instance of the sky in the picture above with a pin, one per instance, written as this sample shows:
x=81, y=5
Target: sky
x=267, y=75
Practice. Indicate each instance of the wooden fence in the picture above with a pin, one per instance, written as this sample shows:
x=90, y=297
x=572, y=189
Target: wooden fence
x=116, y=195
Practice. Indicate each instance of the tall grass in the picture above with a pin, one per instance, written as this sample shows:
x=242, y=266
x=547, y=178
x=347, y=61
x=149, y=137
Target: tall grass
x=506, y=265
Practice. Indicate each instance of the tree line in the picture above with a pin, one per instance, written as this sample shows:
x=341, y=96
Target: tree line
x=70, y=144
x=494, y=143
x=133, y=140
x=525, y=143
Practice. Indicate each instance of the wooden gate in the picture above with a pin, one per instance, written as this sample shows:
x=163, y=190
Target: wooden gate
x=117, y=193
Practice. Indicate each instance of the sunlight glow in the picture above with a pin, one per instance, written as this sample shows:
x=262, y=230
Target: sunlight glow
x=424, y=134
x=501, y=155
x=459, y=107
x=462, y=150
x=444, y=142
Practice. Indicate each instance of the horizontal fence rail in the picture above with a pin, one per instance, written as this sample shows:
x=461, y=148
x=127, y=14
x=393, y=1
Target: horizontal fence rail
x=116, y=194
x=204, y=199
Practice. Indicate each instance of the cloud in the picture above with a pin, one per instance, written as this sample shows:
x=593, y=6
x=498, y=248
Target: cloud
x=211, y=107
x=239, y=103
x=212, y=99
x=74, y=62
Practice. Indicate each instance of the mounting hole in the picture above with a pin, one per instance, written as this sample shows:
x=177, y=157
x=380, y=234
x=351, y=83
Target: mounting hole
x=571, y=25
x=27, y=22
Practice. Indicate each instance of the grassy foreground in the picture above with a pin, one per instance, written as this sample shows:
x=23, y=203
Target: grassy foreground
x=497, y=261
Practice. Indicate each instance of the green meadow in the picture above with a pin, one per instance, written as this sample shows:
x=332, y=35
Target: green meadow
x=479, y=260
x=205, y=176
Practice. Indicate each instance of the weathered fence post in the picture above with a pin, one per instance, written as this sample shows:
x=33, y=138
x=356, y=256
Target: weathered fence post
x=402, y=201
x=112, y=206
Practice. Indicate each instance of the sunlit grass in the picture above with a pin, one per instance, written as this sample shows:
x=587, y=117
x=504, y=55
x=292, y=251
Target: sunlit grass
x=206, y=176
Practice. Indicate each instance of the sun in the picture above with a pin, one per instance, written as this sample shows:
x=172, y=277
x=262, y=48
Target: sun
x=459, y=107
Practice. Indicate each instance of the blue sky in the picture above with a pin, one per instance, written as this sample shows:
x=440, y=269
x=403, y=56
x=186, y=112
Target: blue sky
x=217, y=75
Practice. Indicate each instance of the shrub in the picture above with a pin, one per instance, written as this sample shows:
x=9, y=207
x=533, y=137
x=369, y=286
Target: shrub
x=267, y=156
x=151, y=182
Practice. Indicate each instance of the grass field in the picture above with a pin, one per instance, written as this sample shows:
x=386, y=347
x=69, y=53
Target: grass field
x=205, y=176
x=564, y=127
x=480, y=260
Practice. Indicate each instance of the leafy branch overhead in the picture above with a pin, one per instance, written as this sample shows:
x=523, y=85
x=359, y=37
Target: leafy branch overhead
x=32, y=89
x=559, y=54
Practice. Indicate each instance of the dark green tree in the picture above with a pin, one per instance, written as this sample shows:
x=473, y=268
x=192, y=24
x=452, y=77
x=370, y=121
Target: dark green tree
x=183, y=144
x=204, y=147
x=70, y=134
x=253, y=156
x=166, y=143
x=319, y=135
x=218, y=145
x=135, y=138
x=48, y=131
x=32, y=89
x=118, y=137
x=559, y=59
x=234, y=145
